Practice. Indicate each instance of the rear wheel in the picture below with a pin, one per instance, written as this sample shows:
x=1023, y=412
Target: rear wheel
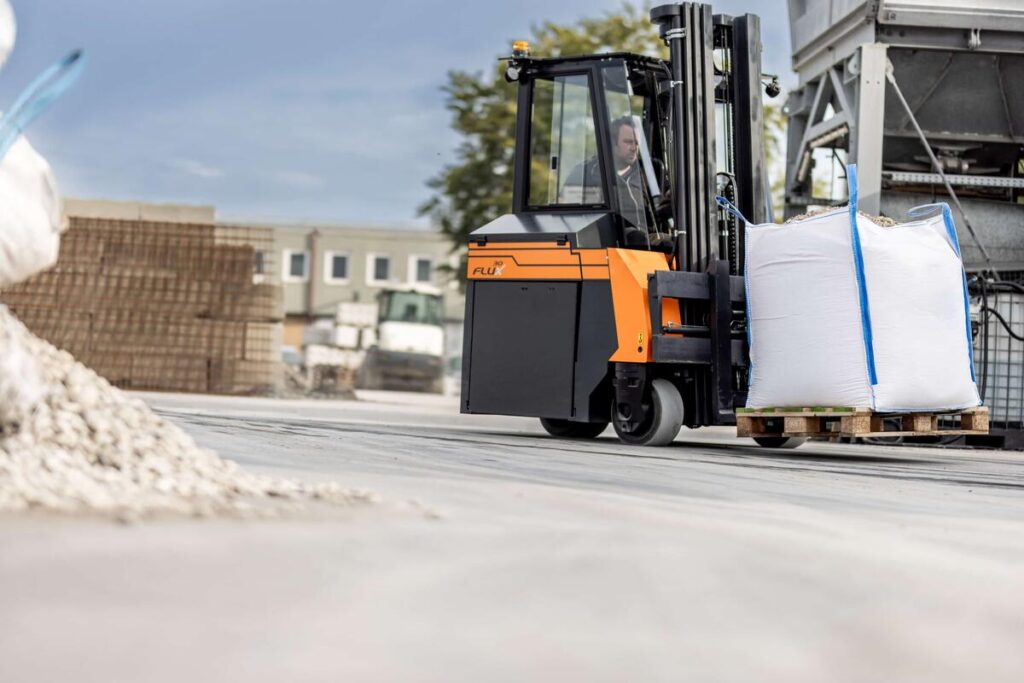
x=567, y=429
x=662, y=419
x=780, y=441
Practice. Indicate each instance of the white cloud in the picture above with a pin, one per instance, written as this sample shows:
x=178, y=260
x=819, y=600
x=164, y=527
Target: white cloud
x=197, y=168
x=299, y=180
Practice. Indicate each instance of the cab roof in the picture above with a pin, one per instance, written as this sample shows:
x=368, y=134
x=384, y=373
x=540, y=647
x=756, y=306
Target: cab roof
x=643, y=60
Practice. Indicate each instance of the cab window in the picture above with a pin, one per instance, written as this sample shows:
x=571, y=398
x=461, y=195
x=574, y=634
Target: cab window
x=410, y=307
x=564, y=166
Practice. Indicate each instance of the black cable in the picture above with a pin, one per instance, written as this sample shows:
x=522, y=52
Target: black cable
x=984, y=338
x=1003, y=285
x=835, y=157
x=999, y=316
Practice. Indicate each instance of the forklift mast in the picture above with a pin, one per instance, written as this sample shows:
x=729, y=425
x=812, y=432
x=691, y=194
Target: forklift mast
x=715, y=64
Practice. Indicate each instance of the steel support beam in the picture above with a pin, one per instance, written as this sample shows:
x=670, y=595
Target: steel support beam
x=867, y=136
x=749, y=139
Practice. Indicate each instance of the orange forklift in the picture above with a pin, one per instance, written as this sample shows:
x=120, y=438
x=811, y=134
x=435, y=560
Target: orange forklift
x=613, y=292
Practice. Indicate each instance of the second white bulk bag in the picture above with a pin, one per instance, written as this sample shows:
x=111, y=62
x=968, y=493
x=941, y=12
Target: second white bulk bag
x=844, y=312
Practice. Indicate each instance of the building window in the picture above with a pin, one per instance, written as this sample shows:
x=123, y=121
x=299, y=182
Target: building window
x=336, y=268
x=421, y=269
x=260, y=266
x=296, y=266
x=378, y=268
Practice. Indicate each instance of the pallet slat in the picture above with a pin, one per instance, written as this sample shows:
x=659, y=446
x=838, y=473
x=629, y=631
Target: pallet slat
x=802, y=425
x=820, y=411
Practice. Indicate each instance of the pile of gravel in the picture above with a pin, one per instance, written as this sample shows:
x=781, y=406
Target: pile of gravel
x=883, y=221
x=72, y=443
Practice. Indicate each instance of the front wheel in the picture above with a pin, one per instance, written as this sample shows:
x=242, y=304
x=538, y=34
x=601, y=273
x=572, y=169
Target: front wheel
x=780, y=441
x=662, y=420
x=567, y=429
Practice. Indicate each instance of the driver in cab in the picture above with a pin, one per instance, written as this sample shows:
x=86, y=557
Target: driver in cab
x=630, y=184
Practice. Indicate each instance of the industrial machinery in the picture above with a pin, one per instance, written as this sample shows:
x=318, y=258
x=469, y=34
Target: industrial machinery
x=407, y=348
x=613, y=291
x=957, y=66
x=396, y=343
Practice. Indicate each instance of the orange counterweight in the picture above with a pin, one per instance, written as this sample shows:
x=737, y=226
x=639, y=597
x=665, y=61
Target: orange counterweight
x=627, y=269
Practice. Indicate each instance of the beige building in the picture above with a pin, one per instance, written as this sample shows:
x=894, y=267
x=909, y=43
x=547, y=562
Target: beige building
x=138, y=211
x=324, y=265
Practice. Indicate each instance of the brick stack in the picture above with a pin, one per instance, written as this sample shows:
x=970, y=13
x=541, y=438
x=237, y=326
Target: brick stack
x=162, y=306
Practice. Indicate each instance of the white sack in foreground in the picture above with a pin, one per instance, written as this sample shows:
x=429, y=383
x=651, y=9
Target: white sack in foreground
x=30, y=214
x=843, y=312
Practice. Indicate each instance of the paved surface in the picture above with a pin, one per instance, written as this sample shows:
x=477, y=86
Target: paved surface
x=534, y=559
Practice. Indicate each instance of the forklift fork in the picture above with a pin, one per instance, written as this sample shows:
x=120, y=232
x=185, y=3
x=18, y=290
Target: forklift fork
x=715, y=341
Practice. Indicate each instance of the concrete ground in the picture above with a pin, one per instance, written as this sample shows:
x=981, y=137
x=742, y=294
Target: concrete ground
x=531, y=559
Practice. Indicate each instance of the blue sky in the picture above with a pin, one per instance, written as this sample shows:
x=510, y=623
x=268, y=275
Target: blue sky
x=320, y=110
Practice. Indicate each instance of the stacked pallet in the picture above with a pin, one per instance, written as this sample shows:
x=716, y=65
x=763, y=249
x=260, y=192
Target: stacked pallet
x=161, y=305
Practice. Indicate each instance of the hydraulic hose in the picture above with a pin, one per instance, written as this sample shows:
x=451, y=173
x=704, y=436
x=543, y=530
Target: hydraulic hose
x=1001, y=319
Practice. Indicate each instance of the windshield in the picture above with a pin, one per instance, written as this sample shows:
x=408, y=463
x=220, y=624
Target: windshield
x=639, y=178
x=564, y=167
x=410, y=307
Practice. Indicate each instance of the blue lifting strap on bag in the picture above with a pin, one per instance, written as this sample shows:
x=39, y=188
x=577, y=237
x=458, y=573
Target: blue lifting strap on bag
x=730, y=207
x=38, y=96
x=862, y=289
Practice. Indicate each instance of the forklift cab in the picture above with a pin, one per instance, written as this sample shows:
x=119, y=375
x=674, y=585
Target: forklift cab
x=592, y=138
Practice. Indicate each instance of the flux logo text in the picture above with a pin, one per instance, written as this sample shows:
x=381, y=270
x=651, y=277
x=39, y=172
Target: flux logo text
x=493, y=271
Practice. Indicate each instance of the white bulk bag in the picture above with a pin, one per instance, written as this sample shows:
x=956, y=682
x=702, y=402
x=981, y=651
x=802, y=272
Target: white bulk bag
x=30, y=217
x=844, y=312
x=8, y=31
x=29, y=208
x=30, y=214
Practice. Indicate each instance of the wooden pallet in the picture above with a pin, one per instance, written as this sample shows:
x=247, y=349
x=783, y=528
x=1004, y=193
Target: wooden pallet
x=860, y=422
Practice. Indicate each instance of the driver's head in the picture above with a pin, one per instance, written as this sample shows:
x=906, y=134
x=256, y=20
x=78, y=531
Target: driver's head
x=625, y=143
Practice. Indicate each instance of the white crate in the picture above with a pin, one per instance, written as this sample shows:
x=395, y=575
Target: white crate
x=356, y=315
x=346, y=336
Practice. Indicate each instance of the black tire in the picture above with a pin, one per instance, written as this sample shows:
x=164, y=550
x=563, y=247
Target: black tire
x=780, y=441
x=567, y=429
x=663, y=421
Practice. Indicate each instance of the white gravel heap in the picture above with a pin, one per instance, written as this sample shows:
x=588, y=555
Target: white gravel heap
x=72, y=443
x=883, y=221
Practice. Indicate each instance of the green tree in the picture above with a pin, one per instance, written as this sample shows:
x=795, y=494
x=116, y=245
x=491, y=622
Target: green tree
x=477, y=187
